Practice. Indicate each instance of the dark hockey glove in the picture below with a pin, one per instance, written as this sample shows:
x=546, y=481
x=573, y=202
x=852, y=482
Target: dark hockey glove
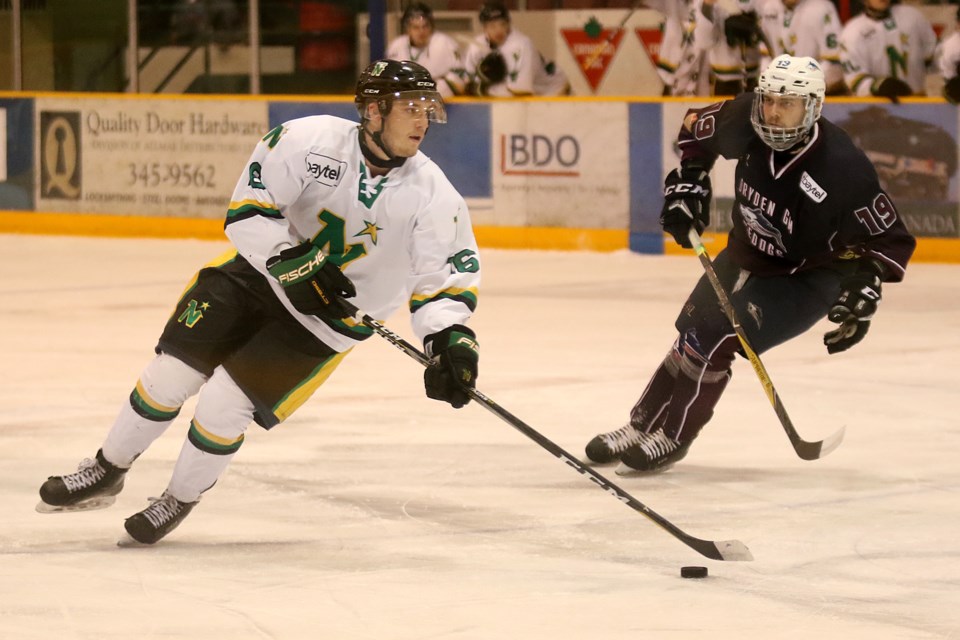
x=313, y=283
x=892, y=88
x=686, y=195
x=492, y=69
x=951, y=90
x=743, y=28
x=858, y=300
x=456, y=354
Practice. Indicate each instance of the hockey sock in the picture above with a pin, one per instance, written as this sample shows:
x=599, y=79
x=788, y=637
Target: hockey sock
x=216, y=433
x=702, y=376
x=692, y=404
x=649, y=409
x=154, y=403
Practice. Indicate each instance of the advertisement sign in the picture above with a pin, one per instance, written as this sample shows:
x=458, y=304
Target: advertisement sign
x=178, y=158
x=914, y=150
x=559, y=164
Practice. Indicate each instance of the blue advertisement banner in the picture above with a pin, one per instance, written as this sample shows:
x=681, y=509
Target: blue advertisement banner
x=16, y=146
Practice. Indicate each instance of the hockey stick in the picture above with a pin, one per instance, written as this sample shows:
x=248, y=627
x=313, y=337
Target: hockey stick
x=720, y=550
x=613, y=34
x=806, y=450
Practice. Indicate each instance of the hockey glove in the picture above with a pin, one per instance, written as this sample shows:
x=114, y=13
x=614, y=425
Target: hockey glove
x=312, y=282
x=951, y=90
x=492, y=69
x=892, y=88
x=858, y=300
x=686, y=194
x=455, y=353
x=743, y=28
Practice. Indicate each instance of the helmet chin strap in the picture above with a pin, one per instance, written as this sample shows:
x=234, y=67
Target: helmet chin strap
x=392, y=161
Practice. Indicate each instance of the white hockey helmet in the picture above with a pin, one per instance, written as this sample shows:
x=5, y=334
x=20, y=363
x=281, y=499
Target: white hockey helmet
x=789, y=76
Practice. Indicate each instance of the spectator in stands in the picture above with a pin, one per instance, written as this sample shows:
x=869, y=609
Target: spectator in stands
x=807, y=28
x=202, y=22
x=885, y=51
x=950, y=64
x=436, y=51
x=503, y=62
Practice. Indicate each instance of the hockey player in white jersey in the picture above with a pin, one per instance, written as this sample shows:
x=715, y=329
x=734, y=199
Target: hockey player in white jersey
x=730, y=32
x=886, y=50
x=324, y=210
x=949, y=64
x=682, y=64
x=502, y=62
x=807, y=28
x=436, y=51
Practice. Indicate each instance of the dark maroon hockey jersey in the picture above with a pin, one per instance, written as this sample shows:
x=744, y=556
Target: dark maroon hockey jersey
x=818, y=202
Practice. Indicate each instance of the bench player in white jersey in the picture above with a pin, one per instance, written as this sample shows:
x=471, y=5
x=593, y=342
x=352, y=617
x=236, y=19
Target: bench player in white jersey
x=682, y=63
x=885, y=51
x=504, y=63
x=730, y=32
x=949, y=64
x=807, y=28
x=324, y=209
x=436, y=51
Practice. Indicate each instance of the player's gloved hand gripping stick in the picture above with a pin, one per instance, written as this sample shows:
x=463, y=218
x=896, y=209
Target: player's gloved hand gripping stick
x=719, y=550
x=313, y=284
x=806, y=450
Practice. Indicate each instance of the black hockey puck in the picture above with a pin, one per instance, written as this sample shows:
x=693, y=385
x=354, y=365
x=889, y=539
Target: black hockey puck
x=693, y=572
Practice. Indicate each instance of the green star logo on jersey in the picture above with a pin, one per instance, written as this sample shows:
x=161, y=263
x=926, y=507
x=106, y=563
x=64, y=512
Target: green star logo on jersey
x=369, y=230
x=193, y=313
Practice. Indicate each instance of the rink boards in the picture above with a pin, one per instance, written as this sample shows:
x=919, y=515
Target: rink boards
x=577, y=173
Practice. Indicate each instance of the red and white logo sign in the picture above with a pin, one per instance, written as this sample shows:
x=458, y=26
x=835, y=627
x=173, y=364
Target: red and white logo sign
x=593, y=54
x=651, y=38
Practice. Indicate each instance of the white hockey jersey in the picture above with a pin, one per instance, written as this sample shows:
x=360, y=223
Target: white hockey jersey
x=949, y=62
x=441, y=57
x=682, y=65
x=900, y=46
x=402, y=238
x=811, y=28
x=727, y=63
x=527, y=72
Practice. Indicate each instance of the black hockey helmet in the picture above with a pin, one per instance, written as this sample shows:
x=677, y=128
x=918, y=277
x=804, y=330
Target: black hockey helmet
x=416, y=10
x=387, y=81
x=494, y=10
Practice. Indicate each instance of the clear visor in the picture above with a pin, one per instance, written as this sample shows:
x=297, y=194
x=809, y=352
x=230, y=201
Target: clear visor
x=415, y=104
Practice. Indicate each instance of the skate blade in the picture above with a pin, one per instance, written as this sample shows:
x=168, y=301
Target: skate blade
x=127, y=542
x=628, y=472
x=101, y=502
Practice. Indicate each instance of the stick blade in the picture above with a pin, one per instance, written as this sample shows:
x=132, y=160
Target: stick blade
x=726, y=550
x=816, y=450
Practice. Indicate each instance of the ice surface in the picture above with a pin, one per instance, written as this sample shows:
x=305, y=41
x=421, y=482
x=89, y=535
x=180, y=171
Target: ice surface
x=375, y=513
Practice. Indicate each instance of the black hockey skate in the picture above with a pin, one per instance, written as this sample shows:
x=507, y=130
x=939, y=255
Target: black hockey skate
x=607, y=447
x=94, y=485
x=162, y=516
x=655, y=452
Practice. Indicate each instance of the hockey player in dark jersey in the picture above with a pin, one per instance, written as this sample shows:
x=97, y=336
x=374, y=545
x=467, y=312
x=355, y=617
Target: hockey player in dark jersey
x=814, y=235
